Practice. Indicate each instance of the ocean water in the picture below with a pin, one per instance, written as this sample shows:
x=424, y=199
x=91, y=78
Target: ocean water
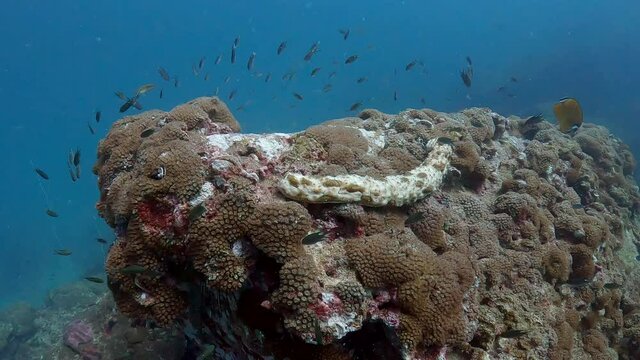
x=62, y=61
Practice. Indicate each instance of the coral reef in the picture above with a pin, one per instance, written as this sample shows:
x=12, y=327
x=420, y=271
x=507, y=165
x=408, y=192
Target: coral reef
x=418, y=235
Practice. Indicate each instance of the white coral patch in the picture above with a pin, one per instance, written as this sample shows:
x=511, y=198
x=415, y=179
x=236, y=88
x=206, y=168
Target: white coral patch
x=270, y=145
x=376, y=140
x=341, y=324
x=206, y=191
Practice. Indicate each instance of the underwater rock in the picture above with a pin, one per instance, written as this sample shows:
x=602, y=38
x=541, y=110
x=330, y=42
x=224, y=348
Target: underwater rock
x=78, y=335
x=6, y=330
x=21, y=317
x=433, y=234
x=78, y=294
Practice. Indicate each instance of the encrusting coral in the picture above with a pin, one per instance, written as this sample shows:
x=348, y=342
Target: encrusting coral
x=418, y=235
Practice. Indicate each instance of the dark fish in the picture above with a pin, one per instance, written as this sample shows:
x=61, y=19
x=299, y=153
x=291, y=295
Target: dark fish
x=196, y=212
x=327, y=88
x=513, y=333
x=52, y=213
x=577, y=206
x=236, y=41
x=612, y=286
x=289, y=76
x=513, y=79
x=147, y=132
x=218, y=59
x=206, y=76
x=72, y=174
x=252, y=58
x=469, y=61
x=569, y=114
x=232, y=94
x=318, y=332
x=101, y=240
x=298, y=96
x=77, y=172
x=314, y=237
x=355, y=106
x=207, y=353
x=227, y=79
x=361, y=80
x=312, y=51
x=161, y=92
x=90, y=128
x=351, y=59
x=445, y=140
x=534, y=119
x=76, y=157
x=579, y=282
x=502, y=89
x=315, y=71
x=267, y=78
x=345, y=33
x=163, y=74
x=94, y=279
x=62, y=252
x=201, y=62
x=395, y=96
x=423, y=101
x=466, y=75
x=281, y=47
x=98, y=116
x=176, y=82
x=333, y=73
x=414, y=218
x=233, y=54
x=42, y=174
x=133, y=269
x=410, y=65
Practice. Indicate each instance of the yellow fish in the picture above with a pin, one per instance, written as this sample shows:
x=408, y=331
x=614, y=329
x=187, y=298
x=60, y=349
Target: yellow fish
x=569, y=114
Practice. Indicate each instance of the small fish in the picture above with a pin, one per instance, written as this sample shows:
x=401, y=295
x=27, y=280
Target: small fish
x=218, y=59
x=312, y=51
x=318, y=332
x=410, y=65
x=578, y=283
x=147, y=132
x=133, y=269
x=195, y=70
x=227, y=79
x=423, y=101
x=281, y=47
x=345, y=33
x=52, y=213
x=98, y=116
x=395, y=96
x=72, y=174
x=534, y=119
x=267, y=78
x=469, y=61
x=233, y=54
x=361, y=80
x=163, y=74
x=466, y=75
x=414, y=218
x=145, y=89
x=327, y=88
x=332, y=75
x=196, y=212
x=101, y=240
x=513, y=333
x=77, y=172
x=42, y=174
x=236, y=41
x=208, y=352
x=201, y=62
x=94, y=279
x=577, y=206
x=206, y=77
x=121, y=95
x=351, y=59
x=176, y=82
x=314, y=237
x=513, y=79
x=355, y=106
x=612, y=286
x=315, y=71
x=252, y=58
x=232, y=94
x=569, y=114
x=501, y=89
x=298, y=96
x=91, y=128
x=161, y=92
x=445, y=140
x=62, y=252
x=76, y=157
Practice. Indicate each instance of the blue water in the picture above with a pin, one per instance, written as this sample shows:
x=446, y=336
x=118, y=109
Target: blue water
x=62, y=60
